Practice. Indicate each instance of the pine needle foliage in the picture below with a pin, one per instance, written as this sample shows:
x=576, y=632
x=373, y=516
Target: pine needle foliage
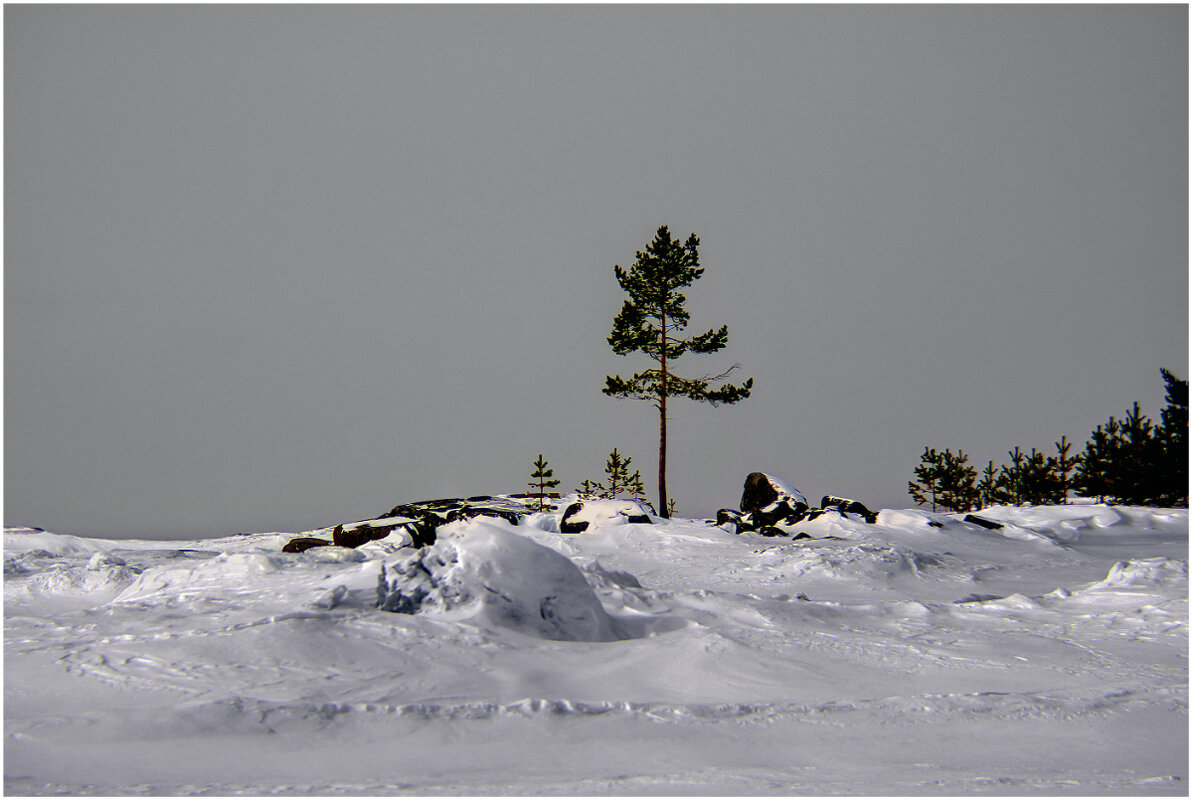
x=1137, y=462
x=1131, y=461
x=946, y=481
x=928, y=472
x=616, y=474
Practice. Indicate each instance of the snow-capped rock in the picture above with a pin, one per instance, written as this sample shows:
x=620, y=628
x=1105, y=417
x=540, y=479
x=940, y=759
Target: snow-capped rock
x=766, y=493
x=592, y=512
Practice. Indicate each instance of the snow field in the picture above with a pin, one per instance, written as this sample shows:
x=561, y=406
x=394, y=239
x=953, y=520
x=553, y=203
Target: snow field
x=921, y=655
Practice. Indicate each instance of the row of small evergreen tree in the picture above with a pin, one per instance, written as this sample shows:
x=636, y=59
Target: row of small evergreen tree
x=1130, y=461
x=619, y=481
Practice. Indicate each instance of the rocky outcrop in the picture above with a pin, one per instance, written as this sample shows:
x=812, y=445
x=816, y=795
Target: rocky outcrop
x=430, y=515
x=848, y=505
x=352, y=535
x=577, y=517
x=420, y=520
x=768, y=503
x=769, y=499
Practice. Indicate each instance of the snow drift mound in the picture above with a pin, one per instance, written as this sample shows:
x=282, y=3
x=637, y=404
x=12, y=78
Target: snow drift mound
x=103, y=575
x=861, y=565
x=24, y=540
x=1145, y=574
x=228, y=572
x=481, y=572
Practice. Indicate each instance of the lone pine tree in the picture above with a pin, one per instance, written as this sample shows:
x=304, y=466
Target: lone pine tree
x=649, y=321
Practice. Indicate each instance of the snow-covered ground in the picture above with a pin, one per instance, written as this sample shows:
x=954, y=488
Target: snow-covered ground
x=921, y=655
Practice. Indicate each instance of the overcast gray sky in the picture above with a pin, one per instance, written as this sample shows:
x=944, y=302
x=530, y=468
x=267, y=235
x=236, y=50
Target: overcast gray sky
x=278, y=267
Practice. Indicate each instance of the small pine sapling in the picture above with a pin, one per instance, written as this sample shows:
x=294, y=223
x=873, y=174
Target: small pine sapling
x=1038, y=481
x=541, y=480
x=618, y=480
x=636, y=488
x=989, y=493
x=929, y=472
x=946, y=480
x=1065, y=468
x=1092, y=474
x=1010, y=477
x=1138, y=458
x=957, y=490
x=590, y=489
x=617, y=474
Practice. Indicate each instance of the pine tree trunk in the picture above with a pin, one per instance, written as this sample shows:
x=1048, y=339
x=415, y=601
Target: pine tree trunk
x=663, y=418
x=663, y=457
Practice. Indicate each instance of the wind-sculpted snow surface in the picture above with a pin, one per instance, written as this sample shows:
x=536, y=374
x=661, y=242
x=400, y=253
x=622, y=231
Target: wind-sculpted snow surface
x=920, y=654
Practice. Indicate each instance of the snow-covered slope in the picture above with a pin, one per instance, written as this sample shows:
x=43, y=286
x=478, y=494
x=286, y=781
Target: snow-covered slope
x=919, y=655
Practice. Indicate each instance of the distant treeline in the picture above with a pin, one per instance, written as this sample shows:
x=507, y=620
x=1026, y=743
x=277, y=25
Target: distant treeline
x=1132, y=461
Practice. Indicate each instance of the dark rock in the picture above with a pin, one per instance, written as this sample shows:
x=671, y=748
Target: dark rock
x=803, y=535
x=421, y=533
x=356, y=534
x=767, y=500
x=983, y=522
x=762, y=491
x=778, y=512
x=575, y=518
x=771, y=531
x=728, y=516
x=469, y=513
x=935, y=524
x=837, y=502
x=421, y=519
x=566, y=526
x=300, y=544
x=443, y=510
x=849, y=505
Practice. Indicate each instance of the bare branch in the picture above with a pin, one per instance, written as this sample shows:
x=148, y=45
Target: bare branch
x=719, y=377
